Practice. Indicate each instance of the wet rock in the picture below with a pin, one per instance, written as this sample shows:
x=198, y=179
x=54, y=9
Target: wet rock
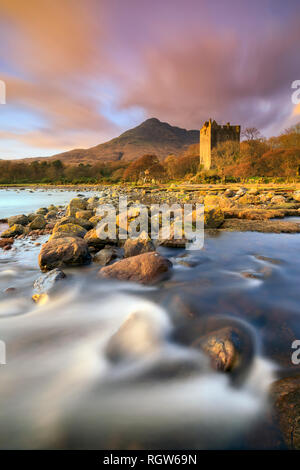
x=46, y=282
x=38, y=223
x=267, y=226
x=72, y=229
x=268, y=260
x=76, y=204
x=286, y=398
x=136, y=337
x=227, y=342
x=18, y=219
x=10, y=290
x=95, y=219
x=223, y=347
x=6, y=242
x=51, y=215
x=31, y=216
x=92, y=239
x=133, y=247
x=40, y=298
x=84, y=214
x=52, y=208
x=146, y=268
x=13, y=231
x=213, y=218
x=251, y=275
x=42, y=211
x=105, y=256
x=63, y=252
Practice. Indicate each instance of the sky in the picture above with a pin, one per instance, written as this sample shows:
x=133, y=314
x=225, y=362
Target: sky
x=80, y=72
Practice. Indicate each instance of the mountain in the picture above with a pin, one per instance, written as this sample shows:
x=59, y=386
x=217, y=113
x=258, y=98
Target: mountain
x=152, y=136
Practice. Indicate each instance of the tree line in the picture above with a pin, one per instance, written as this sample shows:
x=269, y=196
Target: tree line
x=255, y=156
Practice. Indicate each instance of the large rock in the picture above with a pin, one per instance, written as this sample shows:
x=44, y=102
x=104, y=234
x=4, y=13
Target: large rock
x=42, y=211
x=38, y=223
x=213, y=218
x=105, y=256
x=73, y=229
x=13, y=231
x=228, y=343
x=62, y=252
x=92, y=238
x=4, y=242
x=76, y=205
x=73, y=220
x=51, y=215
x=286, y=400
x=146, y=268
x=46, y=283
x=296, y=196
x=18, y=219
x=133, y=247
x=84, y=214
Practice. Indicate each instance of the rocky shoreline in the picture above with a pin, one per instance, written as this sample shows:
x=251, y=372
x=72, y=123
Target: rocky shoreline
x=74, y=242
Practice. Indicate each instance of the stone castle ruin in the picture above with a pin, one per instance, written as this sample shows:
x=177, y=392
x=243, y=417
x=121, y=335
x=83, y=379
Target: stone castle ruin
x=212, y=134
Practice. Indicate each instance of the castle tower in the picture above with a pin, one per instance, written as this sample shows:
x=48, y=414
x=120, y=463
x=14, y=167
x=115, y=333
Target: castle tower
x=211, y=134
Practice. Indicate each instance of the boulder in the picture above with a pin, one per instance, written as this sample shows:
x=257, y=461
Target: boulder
x=296, y=196
x=146, y=268
x=84, y=214
x=46, y=282
x=38, y=223
x=51, y=215
x=63, y=252
x=92, y=239
x=96, y=219
x=106, y=255
x=42, y=211
x=72, y=229
x=133, y=247
x=13, y=231
x=286, y=401
x=52, y=208
x=4, y=242
x=213, y=218
x=76, y=204
x=18, y=219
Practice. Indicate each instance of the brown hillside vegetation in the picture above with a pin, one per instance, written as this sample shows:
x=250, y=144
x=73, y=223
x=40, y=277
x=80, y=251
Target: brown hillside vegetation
x=150, y=137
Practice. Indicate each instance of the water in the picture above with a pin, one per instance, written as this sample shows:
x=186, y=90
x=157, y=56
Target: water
x=24, y=201
x=60, y=388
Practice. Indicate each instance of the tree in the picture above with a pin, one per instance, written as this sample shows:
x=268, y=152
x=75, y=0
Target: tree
x=251, y=133
x=146, y=168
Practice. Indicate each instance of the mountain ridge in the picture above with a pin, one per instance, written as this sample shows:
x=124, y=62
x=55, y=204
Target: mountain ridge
x=151, y=136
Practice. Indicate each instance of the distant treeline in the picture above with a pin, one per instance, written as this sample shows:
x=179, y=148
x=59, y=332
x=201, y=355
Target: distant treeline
x=254, y=157
x=145, y=168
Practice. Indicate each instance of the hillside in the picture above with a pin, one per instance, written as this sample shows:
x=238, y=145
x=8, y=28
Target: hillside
x=152, y=136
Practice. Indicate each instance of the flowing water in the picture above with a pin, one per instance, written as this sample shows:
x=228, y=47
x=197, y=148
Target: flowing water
x=60, y=388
